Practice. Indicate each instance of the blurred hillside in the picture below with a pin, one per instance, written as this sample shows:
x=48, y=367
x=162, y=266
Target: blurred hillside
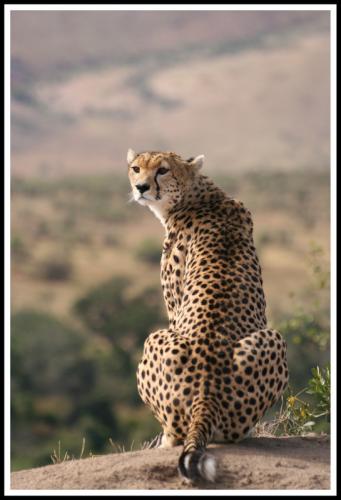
x=250, y=90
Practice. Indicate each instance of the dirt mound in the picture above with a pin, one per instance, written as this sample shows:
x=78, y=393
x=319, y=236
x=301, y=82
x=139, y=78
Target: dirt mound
x=255, y=463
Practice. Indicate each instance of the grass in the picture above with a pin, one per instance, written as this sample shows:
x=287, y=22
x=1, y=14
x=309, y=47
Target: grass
x=58, y=457
x=120, y=448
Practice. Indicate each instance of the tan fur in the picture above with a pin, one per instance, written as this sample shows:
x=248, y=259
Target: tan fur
x=217, y=368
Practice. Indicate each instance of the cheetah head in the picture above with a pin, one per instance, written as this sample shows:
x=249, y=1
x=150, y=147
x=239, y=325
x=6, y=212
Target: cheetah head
x=161, y=180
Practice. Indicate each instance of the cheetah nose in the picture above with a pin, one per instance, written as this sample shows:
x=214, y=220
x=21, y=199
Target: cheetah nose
x=142, y=187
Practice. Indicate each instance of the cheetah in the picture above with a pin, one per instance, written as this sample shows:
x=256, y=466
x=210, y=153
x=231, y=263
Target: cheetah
x=217, y=368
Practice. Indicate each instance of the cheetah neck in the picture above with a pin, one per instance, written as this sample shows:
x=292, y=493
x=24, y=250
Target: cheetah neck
x=201, y=190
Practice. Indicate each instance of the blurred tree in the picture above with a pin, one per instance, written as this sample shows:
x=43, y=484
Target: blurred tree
x=149, y=250
x=54, y=388
x=307, y=330
x=125, y=321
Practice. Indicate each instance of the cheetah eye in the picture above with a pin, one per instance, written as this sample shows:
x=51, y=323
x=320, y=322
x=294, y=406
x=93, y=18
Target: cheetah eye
x=162, y=170
x=136, y=169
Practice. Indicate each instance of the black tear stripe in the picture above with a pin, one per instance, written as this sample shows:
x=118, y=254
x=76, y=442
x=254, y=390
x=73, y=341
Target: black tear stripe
x=157, y=197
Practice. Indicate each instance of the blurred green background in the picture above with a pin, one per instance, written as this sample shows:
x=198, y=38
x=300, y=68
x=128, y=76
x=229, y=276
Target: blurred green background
x=250, y=90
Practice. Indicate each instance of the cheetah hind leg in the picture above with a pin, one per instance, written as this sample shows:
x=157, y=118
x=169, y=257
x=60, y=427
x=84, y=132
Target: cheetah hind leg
x=168, y=441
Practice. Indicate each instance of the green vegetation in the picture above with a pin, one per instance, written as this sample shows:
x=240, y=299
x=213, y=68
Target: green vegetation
x=51, y=376
x=109, y=311
x=55, y=268
x=67, y=385
x=307, y=330
x=149, y=251
x=298, y=415
x=307, y=334
x=18, y=248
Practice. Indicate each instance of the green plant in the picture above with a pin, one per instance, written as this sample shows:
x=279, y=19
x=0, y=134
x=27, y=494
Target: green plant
x=319, y=386
x=306, y=327
x=19, y=250
x=63, y=386
x=297, y=415
x=109, y=310
x=55, y=268
x=149, y=251
x=58, y=458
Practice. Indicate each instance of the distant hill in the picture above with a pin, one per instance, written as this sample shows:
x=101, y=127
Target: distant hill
x=248, y=89
x=48, y=43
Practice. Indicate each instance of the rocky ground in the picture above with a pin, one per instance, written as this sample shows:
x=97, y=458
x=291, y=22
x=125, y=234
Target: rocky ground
x=287, y=463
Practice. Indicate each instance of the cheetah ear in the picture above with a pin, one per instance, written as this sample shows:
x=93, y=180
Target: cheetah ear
x=131, y=155
x=197, y=162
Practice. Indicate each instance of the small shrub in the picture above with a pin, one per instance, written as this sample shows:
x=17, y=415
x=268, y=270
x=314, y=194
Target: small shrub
x=305, y=327
x=110, y=240
x=281, y=237
x=298, y=416
x=149, y=251
x=110, y=311
x=55, y=268
x=42, y=230
x=18, y=248
x=84, y=238
x=319, y=387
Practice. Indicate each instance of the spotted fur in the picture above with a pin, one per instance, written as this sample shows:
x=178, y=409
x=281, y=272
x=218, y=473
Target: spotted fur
x=217, y=368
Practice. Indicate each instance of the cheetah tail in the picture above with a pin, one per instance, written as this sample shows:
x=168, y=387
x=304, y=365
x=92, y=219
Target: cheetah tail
x=197, y=464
